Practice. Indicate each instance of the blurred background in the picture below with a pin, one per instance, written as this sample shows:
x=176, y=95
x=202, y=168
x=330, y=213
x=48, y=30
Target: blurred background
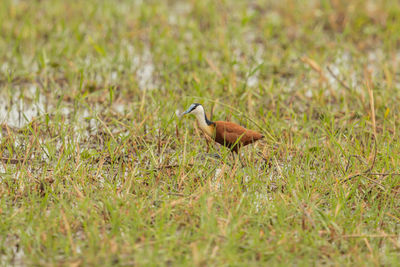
x=250, y=54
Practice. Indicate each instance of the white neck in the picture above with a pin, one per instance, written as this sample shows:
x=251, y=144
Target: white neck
x=201, y=119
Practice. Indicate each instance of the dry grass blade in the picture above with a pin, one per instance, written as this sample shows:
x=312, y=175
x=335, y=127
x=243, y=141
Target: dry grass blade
x=11, y=161
x=369, y=236
x=314, y=65
x=369, y=85
x=106, y=127
x=213, y=67
x=342, y=83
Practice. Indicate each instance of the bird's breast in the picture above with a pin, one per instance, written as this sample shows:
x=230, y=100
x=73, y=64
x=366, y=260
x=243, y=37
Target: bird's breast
x=208, y=129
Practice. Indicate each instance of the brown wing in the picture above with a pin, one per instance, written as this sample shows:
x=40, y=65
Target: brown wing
x=228, y=133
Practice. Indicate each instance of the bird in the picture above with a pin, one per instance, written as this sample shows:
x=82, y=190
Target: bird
x=228, y=134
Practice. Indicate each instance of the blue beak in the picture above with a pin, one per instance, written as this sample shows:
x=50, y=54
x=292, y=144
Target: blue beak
x=192, y=106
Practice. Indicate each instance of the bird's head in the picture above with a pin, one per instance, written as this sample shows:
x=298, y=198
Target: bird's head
x=195, y=109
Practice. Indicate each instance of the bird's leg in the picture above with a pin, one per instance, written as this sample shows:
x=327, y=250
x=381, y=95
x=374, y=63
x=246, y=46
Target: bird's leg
x=219, y=153
x=241, y=162
x=234, y=158
x=236, y=162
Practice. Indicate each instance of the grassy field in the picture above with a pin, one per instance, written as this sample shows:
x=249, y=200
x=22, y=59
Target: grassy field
x=97, y=169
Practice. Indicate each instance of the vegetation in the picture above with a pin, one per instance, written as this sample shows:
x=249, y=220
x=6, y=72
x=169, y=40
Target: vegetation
x=97, y=169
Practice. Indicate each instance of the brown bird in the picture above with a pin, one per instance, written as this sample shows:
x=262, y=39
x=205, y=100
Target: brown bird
x=226, y=133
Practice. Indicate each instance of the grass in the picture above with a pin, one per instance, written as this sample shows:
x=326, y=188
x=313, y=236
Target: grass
x=97, y=169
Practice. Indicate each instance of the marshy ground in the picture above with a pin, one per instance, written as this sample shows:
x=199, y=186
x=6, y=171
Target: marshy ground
x=96, y=167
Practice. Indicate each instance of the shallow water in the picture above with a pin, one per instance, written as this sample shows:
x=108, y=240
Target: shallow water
x=20, y=108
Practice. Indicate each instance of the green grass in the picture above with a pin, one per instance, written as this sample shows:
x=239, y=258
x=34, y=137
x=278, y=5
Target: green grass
x=98, y=170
